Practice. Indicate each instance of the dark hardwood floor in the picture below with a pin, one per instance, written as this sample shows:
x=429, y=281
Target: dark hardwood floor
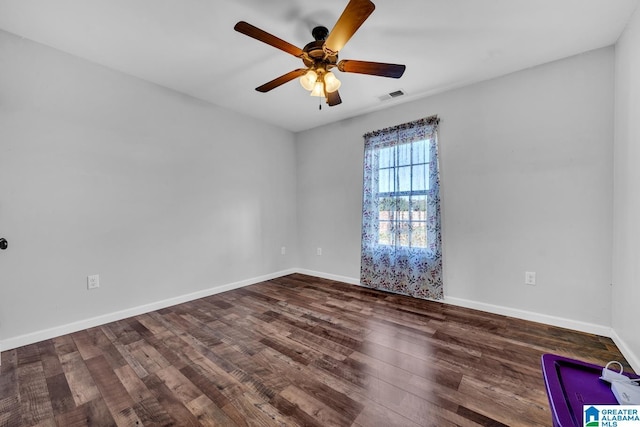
x=297, y=350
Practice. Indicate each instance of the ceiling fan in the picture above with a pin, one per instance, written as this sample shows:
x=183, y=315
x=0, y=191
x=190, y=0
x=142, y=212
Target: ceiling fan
x=321, y=55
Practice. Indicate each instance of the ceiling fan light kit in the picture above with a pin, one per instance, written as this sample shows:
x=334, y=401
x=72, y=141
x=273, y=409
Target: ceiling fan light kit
x=320, y=83
x=321, y=56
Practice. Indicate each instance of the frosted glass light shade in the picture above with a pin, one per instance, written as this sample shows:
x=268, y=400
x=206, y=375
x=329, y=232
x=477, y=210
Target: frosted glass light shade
x=308, y=81
x=331, y=82
x=318, y=89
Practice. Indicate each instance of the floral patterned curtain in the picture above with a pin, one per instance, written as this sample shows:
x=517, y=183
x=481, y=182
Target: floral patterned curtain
x=401, y=237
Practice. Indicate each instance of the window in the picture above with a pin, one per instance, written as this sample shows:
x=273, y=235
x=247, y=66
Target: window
x=401, y=237
x=403, y=184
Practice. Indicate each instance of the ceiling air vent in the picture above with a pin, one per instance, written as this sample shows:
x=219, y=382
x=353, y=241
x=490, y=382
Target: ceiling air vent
x=390, y=95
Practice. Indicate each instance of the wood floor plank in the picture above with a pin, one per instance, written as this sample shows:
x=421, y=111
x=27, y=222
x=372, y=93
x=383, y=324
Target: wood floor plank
x=377, y=416
x=10, y=415
x=205, y=386
x=64, y=344
x=8, y=374
x=294, y=351
x=293, y=373
x=430, y=376
x=28, y=354
x=264, y=414
x=179, y=385
x=94, y=413
x=49, y=357
x=152, y=325
x=100, y=340
x=152, y=413
x=35, y=401
x=113, y=392
x=10, y=411
x=123, y=332
x=136, y=388
x=81, y=384
x=60, y=394
x=86, y=345
x=170, y=403
x=147, y=356
x=515, y=408
x=131, y=360
x=208, y=413
x=315, y=410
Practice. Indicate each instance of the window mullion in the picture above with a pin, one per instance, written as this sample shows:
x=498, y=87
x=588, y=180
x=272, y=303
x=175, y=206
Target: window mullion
x=409, y=211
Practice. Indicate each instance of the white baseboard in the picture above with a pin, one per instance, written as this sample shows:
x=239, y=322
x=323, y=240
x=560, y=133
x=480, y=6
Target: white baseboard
x=34, y=337
x=633, y=359
x=337, y=278
x=562, y=322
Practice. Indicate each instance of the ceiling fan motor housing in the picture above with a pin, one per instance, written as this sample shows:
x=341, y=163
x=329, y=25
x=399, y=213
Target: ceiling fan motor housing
x=320, y=33
x=316, y=56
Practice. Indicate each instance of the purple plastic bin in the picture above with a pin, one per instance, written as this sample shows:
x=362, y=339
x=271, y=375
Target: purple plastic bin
x=570, y=384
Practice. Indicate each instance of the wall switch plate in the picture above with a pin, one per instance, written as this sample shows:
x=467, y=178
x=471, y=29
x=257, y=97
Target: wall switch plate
x=319, y=251
x=283, y=250
x=530, y=278
x=93, y=281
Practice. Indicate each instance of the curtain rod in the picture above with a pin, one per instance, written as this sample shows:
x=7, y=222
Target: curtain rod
x=426, y=121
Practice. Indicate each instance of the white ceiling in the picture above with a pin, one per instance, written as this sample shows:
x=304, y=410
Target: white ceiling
x=190, y=45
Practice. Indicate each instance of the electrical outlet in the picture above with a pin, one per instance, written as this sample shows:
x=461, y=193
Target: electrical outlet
x=283, y=250
x=319, y=251
x=93, y=281
x=530, y=278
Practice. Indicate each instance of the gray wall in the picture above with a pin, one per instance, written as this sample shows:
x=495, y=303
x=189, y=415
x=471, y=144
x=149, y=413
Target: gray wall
x=526, y=168
x=626, y=238
x=158, y=193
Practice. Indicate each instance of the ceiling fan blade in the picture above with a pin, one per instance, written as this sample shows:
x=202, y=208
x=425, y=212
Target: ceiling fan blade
x=281, y=80
x=261, y=35
x=356, y=12
x=333, y=98
x=374, y=68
